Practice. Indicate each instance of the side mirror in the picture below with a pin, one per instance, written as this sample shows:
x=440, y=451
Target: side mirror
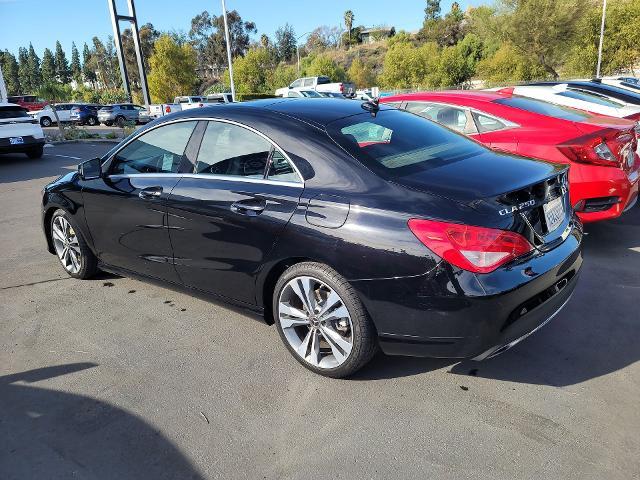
x=90, y=169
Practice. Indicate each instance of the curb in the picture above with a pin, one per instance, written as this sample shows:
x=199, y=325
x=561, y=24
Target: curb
x=86, y=140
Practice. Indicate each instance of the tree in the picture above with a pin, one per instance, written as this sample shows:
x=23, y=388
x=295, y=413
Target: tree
x=264, y=41
x=76, y=68
x=540, y=29
x=282, y=76
x=322, y=38
x=432, y=10
x=48, y=67
x=349, y=17
x=9, y=66
x=324, y=65
x=33, y=70
x=285, y=42
x=173, y=69
x=208, y=38
x=507, y=64
x=103, y=61
x=406, y=66
x=251, y=73
x=23, y=70
x=452, y=28
x=361, y=74
x=62, y=66
x=88, y=71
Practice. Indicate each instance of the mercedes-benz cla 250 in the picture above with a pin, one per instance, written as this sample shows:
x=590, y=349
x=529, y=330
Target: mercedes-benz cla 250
x=350, y=225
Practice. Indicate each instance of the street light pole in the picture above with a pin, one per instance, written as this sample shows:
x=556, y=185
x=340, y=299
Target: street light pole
x=226, y=35
x=604, y=11
x=298, y=48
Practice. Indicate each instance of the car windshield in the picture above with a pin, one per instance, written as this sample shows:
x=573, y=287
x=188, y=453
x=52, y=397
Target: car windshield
x=590, y=97
x=12, y=112
x=397, y=144
x=310, y=93
x=544, y=108
x=107, y=109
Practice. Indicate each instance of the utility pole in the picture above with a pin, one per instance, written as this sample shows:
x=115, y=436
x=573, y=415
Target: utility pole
x=226, y=35
x=604, y=11
x=115, y=23
x=3, y=89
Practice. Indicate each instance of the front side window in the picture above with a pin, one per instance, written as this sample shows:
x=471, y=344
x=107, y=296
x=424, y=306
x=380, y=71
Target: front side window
x=160, y=150
x=229, y=149
x=395, y=144
x=454, y=118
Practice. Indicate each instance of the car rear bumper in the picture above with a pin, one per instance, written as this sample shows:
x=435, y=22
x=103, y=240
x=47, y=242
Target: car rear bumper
x=605, y=198
x=30, y=143
x=450, y=313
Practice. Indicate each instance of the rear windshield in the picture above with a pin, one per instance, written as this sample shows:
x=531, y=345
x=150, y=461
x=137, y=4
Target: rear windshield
x=323, y=80
x=544, y=108
x=396, y=143
x=590, y=97
x=12, y=112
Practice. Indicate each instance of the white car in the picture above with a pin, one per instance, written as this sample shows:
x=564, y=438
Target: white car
x=562, y=94
x=46, y=117
x=302, y=93
x=628, y=83
x=19, y=133
x=320, y=84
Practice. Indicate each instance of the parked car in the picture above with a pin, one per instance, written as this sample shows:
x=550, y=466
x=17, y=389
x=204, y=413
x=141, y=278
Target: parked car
x=302, y=93
x=627, y=83
x=562, y=94
x=613, y=91
x=601, y=150
x=46, y=117
x=331, y=95
x=121, y=113
x=187, y=102
x=348, y=224
x=365, y=95
x=320, y=84
x=85, y=114
x=19, y=133
x=30, y=102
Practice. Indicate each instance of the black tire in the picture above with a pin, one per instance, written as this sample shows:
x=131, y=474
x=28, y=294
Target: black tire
x=108, y=123
x=120, y=121
x=88, y=261
x=92, y=121
x=45, y=122
x=36, y=152
x=364, y=334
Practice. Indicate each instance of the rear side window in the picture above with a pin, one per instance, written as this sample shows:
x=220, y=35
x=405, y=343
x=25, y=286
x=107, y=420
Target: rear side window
x=543, y=108
x=447, y=115
x=229, y=149
x=280, y=169
x=487, y=124
x=12, y=112
x=395, y=144
x=308, y=82
x=160, y=150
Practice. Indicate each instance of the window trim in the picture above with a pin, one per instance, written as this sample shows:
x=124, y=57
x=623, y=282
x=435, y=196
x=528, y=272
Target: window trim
x=109, y=159
x=467, y=111
x=508, y=124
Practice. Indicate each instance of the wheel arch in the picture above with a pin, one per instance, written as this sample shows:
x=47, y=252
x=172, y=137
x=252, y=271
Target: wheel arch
x=269, y=279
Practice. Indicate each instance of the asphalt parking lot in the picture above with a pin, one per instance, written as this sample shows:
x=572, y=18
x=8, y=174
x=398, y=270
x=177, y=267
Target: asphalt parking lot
x=115, y=378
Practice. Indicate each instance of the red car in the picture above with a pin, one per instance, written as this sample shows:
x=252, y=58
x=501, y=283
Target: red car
x=601, y=150
x=30, y=102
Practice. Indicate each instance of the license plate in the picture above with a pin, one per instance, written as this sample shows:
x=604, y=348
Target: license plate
x=16, y=140
x=553, y=213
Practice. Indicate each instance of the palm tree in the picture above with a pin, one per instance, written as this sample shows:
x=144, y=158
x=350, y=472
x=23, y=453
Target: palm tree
x=348, y=21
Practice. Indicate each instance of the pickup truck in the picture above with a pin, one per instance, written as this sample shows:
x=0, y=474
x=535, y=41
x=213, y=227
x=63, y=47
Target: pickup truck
x=186, y=102
x=319, y=84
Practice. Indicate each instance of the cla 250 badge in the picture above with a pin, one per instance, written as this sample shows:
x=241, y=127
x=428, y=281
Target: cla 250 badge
x=515, y=208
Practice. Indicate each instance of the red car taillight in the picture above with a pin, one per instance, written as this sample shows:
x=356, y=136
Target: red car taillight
x=477, y=249
x=341, y=88
x=608, y=148
x=167, y=109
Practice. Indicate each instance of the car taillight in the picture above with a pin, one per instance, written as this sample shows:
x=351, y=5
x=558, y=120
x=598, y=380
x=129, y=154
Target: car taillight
x=607, y=149
x=477, y=249
x=341, y=88
x=167, y=109
x=201, y=105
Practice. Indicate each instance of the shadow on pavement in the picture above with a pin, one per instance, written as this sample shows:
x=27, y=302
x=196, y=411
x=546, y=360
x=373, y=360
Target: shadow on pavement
x=53, y=434
x=596, y=334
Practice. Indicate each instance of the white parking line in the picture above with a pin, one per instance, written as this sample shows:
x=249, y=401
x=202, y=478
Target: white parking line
x=67, y=156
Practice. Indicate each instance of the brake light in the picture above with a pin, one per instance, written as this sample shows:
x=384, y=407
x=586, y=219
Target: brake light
x=167, y=109
x=341, y=88
x=609, y=149
x=472, y=248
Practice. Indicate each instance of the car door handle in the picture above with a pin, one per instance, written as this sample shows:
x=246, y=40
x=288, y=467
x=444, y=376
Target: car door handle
x=251, y=208
x=150, y=192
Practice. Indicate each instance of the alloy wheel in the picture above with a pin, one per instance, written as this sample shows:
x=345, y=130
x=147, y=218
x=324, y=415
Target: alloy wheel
x=315, y=322
x=66, y=244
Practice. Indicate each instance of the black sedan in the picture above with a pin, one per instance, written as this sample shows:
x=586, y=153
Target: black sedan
x=350, y=225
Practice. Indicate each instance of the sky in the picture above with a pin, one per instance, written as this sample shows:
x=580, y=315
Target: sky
x=42, y=22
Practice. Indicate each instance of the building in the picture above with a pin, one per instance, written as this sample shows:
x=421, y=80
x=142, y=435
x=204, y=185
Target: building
x=374, y=34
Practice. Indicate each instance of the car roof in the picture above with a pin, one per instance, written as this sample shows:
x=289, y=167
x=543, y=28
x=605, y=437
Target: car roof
x=7, y=104
x=317, y=111
x=480, y=96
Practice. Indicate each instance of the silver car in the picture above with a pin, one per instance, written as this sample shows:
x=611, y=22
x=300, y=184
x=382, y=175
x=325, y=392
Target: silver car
x=121, y=113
